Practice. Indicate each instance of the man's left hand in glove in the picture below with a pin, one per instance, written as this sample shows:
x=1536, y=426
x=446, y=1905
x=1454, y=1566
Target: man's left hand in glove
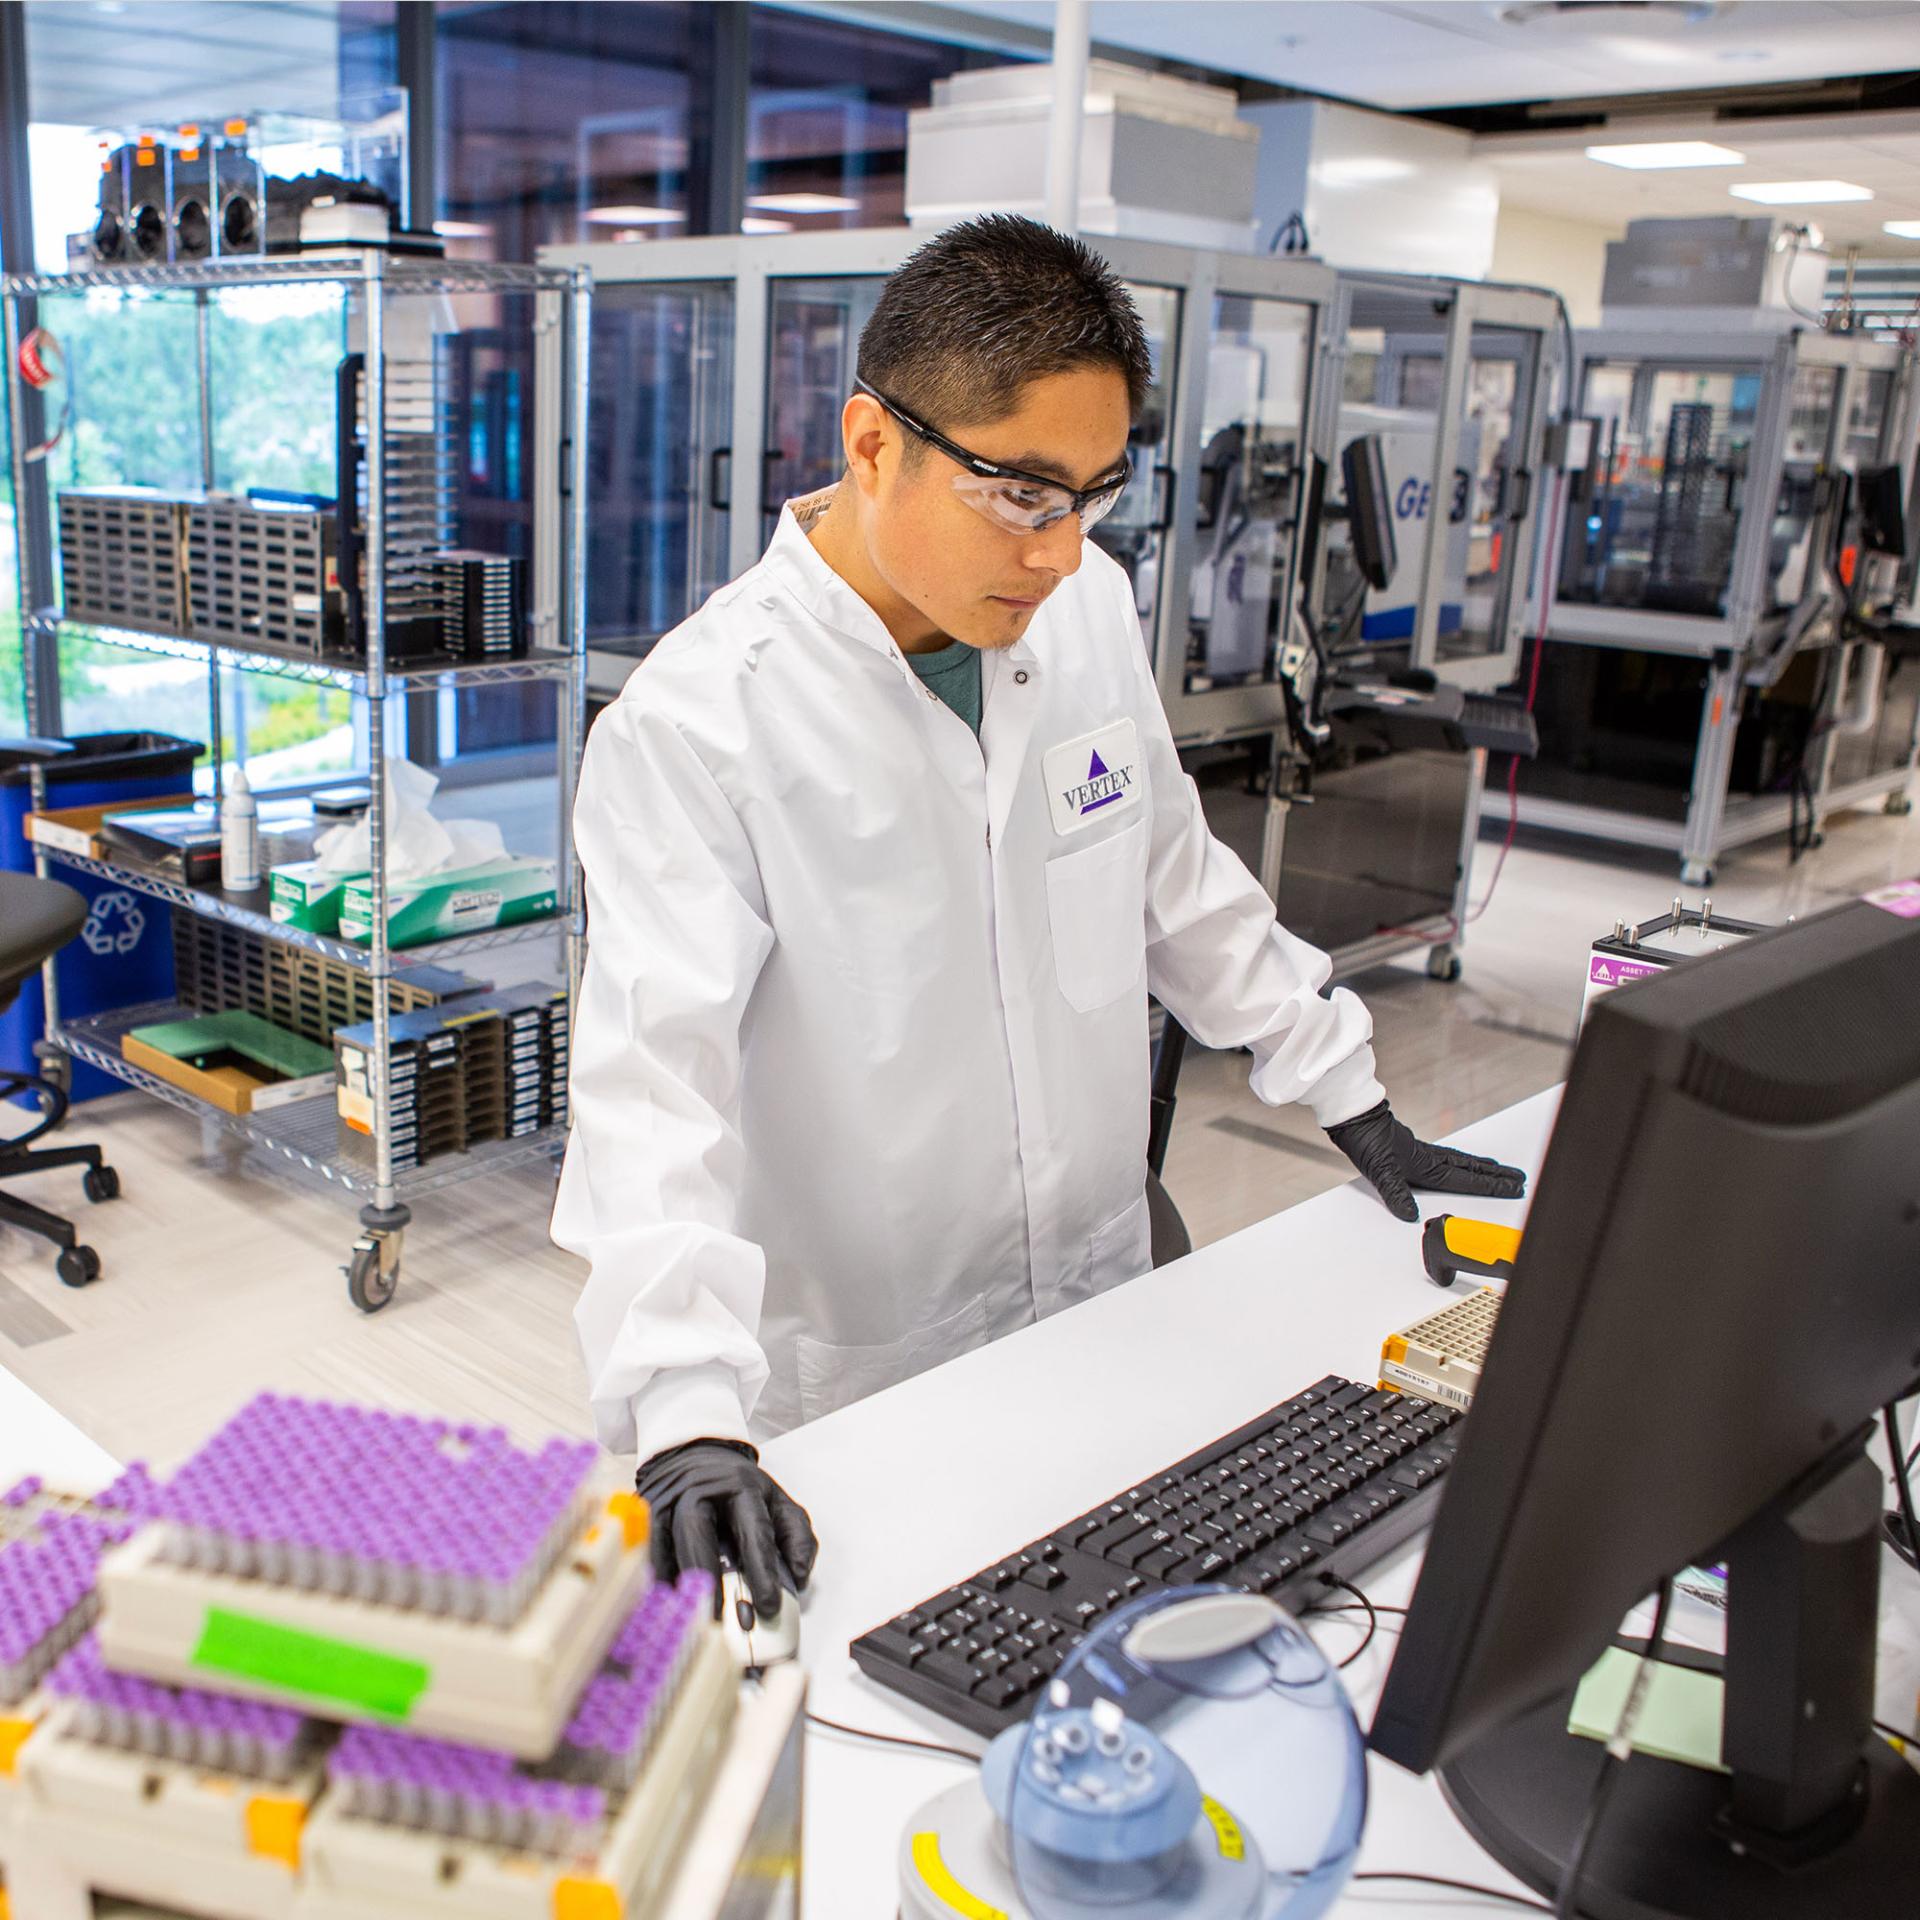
x=1396, y=1162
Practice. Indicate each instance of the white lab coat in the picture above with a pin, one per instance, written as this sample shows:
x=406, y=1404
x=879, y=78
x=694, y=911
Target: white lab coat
x=860, y=1064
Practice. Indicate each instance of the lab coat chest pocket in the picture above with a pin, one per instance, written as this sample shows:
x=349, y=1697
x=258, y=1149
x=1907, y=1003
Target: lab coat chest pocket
x=831, y=1377
x=1097, y=914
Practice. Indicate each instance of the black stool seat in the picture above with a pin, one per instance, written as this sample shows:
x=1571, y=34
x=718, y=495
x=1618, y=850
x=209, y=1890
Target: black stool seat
x=37, y=918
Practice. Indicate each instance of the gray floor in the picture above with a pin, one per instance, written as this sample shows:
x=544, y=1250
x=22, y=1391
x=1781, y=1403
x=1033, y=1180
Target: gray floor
x=219, y=1282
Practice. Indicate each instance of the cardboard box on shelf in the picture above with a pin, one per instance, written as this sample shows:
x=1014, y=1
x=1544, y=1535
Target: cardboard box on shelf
x=234, y=1061
x=76, y=829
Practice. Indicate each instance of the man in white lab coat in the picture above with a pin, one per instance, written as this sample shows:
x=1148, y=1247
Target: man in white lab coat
x=885, y=848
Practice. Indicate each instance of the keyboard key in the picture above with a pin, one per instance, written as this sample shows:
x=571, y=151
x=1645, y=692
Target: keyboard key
x=1044, y=1578
x=896, y=1645
x=1130, y=1553
x=1329, y=1529
x=945, y=1670
x=1167, y=1566
x=1116, y=1534
x=998, y=1690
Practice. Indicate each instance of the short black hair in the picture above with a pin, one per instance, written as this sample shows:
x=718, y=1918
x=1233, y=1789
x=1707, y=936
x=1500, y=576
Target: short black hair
x=984, y=308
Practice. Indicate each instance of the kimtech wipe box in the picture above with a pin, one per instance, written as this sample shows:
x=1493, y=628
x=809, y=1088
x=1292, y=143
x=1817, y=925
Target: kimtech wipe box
x=300, y=895
x=440, y=906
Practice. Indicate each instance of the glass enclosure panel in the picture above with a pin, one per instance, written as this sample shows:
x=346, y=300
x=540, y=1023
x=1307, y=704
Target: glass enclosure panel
x=813, y=339
x=1796, y=515
x=1394, y=349
x=827, y=118
x=1252, y=462
x=1867, y=419
x=1135, y=532
x=1493, y=437
x=658, y=463
x=1657, y=514
x=571, y=123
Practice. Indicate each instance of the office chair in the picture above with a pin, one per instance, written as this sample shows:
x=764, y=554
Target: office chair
x=37, y=918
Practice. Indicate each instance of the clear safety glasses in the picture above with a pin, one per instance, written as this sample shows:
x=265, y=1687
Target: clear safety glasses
x=1018, y=501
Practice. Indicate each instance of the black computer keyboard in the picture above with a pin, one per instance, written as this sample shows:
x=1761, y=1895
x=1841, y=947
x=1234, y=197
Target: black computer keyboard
x=1324, y=1484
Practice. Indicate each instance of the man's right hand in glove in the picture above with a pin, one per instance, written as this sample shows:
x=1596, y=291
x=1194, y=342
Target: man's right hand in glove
x=711, y=1498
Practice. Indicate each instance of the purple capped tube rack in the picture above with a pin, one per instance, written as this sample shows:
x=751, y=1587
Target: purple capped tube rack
x=391, y=1508
x=47, y=1598
x=210, y=1730
x=466, y=1793
x=620, y=1714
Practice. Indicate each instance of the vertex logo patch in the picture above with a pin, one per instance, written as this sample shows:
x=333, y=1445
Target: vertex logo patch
x=1093, y=778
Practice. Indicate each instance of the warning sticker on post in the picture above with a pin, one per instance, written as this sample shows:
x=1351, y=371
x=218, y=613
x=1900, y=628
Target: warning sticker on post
x=1903, y=898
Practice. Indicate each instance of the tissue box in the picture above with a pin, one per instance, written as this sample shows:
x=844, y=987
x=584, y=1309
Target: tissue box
x=439, y=906
x=300, y=895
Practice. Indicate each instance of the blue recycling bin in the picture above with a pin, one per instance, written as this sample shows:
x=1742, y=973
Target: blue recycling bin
x=125, y=952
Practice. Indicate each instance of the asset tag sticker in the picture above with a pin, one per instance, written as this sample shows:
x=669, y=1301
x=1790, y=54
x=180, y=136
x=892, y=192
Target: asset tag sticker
x=1903, y=898
x=1094, y=777
x=1605, y=970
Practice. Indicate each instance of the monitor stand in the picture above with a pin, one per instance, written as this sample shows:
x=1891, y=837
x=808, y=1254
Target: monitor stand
x=1818, y=1816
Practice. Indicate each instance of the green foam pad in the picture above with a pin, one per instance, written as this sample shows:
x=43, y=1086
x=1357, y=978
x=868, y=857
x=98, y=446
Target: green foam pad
x=286, y=1053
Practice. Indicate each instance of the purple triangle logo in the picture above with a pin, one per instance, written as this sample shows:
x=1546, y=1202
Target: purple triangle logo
x=1098, y=768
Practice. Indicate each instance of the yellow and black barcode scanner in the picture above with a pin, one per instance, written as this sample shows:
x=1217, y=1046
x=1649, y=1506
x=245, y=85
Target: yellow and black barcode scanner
x=1453, y=1247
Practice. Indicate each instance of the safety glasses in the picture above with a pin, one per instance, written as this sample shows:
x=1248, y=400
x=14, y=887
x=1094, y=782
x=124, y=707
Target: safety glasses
x=1018, y=501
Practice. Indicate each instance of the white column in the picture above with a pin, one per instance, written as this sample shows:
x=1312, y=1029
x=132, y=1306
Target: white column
x=1069, y=113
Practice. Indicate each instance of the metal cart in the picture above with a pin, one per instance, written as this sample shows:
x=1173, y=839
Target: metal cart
x=399, y=314
x=734, y=356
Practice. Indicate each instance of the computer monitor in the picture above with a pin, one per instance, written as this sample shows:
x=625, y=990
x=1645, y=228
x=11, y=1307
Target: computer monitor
x=1363, y=469
x=1718, y=1289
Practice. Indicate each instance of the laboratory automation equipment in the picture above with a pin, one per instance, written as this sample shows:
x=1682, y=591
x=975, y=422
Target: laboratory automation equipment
x=1704, y=684
x=1790, y=1066
x=1196, y=1758
x=1324, y=1484
x=1638, y=949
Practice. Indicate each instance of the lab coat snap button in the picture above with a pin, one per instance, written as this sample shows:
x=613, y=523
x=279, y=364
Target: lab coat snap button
x=1020, y=678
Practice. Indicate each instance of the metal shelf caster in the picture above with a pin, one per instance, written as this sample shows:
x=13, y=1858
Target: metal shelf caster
x=1443, y=963
x=373, y=1266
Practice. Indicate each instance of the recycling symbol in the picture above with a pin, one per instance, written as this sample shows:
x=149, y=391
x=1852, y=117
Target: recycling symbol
x=115, y=923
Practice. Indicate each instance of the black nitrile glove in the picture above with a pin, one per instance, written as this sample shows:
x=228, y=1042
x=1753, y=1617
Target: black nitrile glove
x=710, y=1497
x=1388, y=1154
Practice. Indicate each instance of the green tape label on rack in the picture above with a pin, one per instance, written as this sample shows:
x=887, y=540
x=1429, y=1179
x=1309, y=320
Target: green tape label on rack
x=362, y=1678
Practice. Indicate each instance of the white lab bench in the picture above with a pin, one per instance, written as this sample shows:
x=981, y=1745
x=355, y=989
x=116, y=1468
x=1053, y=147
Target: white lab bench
x=920, y=1486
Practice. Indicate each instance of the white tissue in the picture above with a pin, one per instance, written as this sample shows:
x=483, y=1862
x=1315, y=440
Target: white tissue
x=417, y=843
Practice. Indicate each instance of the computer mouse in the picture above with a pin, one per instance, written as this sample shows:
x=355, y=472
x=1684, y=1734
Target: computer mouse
x=756, y=1643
